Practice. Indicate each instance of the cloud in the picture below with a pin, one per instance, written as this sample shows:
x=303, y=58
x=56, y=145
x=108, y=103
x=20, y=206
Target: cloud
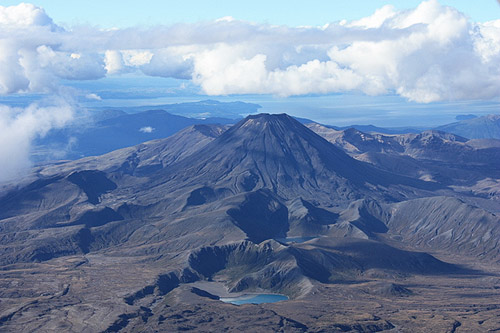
x=24, y=14
x=33, y=56
x=113, y=62
x=147, y=129
x=376, y=20
x=429, y=53
x=20, y=126
x=93, y=96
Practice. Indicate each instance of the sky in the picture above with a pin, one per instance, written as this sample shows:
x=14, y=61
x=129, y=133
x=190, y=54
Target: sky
x=126, y=13
x=403, y=63
x=423, y=52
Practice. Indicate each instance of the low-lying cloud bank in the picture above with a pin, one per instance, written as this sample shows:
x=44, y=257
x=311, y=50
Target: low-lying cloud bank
x=430, y=53
x=18, y=128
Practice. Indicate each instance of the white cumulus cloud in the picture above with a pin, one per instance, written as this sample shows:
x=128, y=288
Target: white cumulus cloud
x=33, y=55
x=429, y=53
x=24, y=14
x=93, y=96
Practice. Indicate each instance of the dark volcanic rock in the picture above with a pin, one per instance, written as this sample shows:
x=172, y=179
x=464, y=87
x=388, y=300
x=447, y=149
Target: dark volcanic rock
x=132, y=228
x=431, y=155
x=306, y=219
x=93, y=183
x=204, y=293
x=447, y=224
x=261, y=216
x=201, y=196
x=98, y=218
x=278, y=153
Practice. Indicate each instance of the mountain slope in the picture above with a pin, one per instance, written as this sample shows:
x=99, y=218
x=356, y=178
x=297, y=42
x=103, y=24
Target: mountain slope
x=486, y=127
x=278, y=153
x=256, y=166
x=446, y=224
x=130, y=230
x=430, y=155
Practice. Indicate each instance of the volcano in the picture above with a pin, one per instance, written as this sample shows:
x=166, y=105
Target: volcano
x=277, y=153
x=217, y=205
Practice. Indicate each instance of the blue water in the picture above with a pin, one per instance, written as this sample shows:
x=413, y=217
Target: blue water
x=254, y=299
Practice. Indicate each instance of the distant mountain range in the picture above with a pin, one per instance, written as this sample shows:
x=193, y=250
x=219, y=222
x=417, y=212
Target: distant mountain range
x=200, y=109
x=384, y=130
x=139, y=238
x=431, y=155
x=465, y=117
x=468, y=126
x=110, y=129
x=487, y=127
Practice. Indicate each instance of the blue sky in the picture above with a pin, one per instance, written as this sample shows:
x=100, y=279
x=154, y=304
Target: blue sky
x=126, y=13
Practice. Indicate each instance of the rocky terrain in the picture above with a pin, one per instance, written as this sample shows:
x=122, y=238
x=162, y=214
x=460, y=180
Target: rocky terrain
x=431, y=156
x=400, y=233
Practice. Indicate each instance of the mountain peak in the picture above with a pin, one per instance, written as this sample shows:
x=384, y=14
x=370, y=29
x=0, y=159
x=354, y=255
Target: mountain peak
x=440, y=135
x=267, y=117
x=272, y=134
x=493, y=117
x=264, y=120
x=278, y=153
